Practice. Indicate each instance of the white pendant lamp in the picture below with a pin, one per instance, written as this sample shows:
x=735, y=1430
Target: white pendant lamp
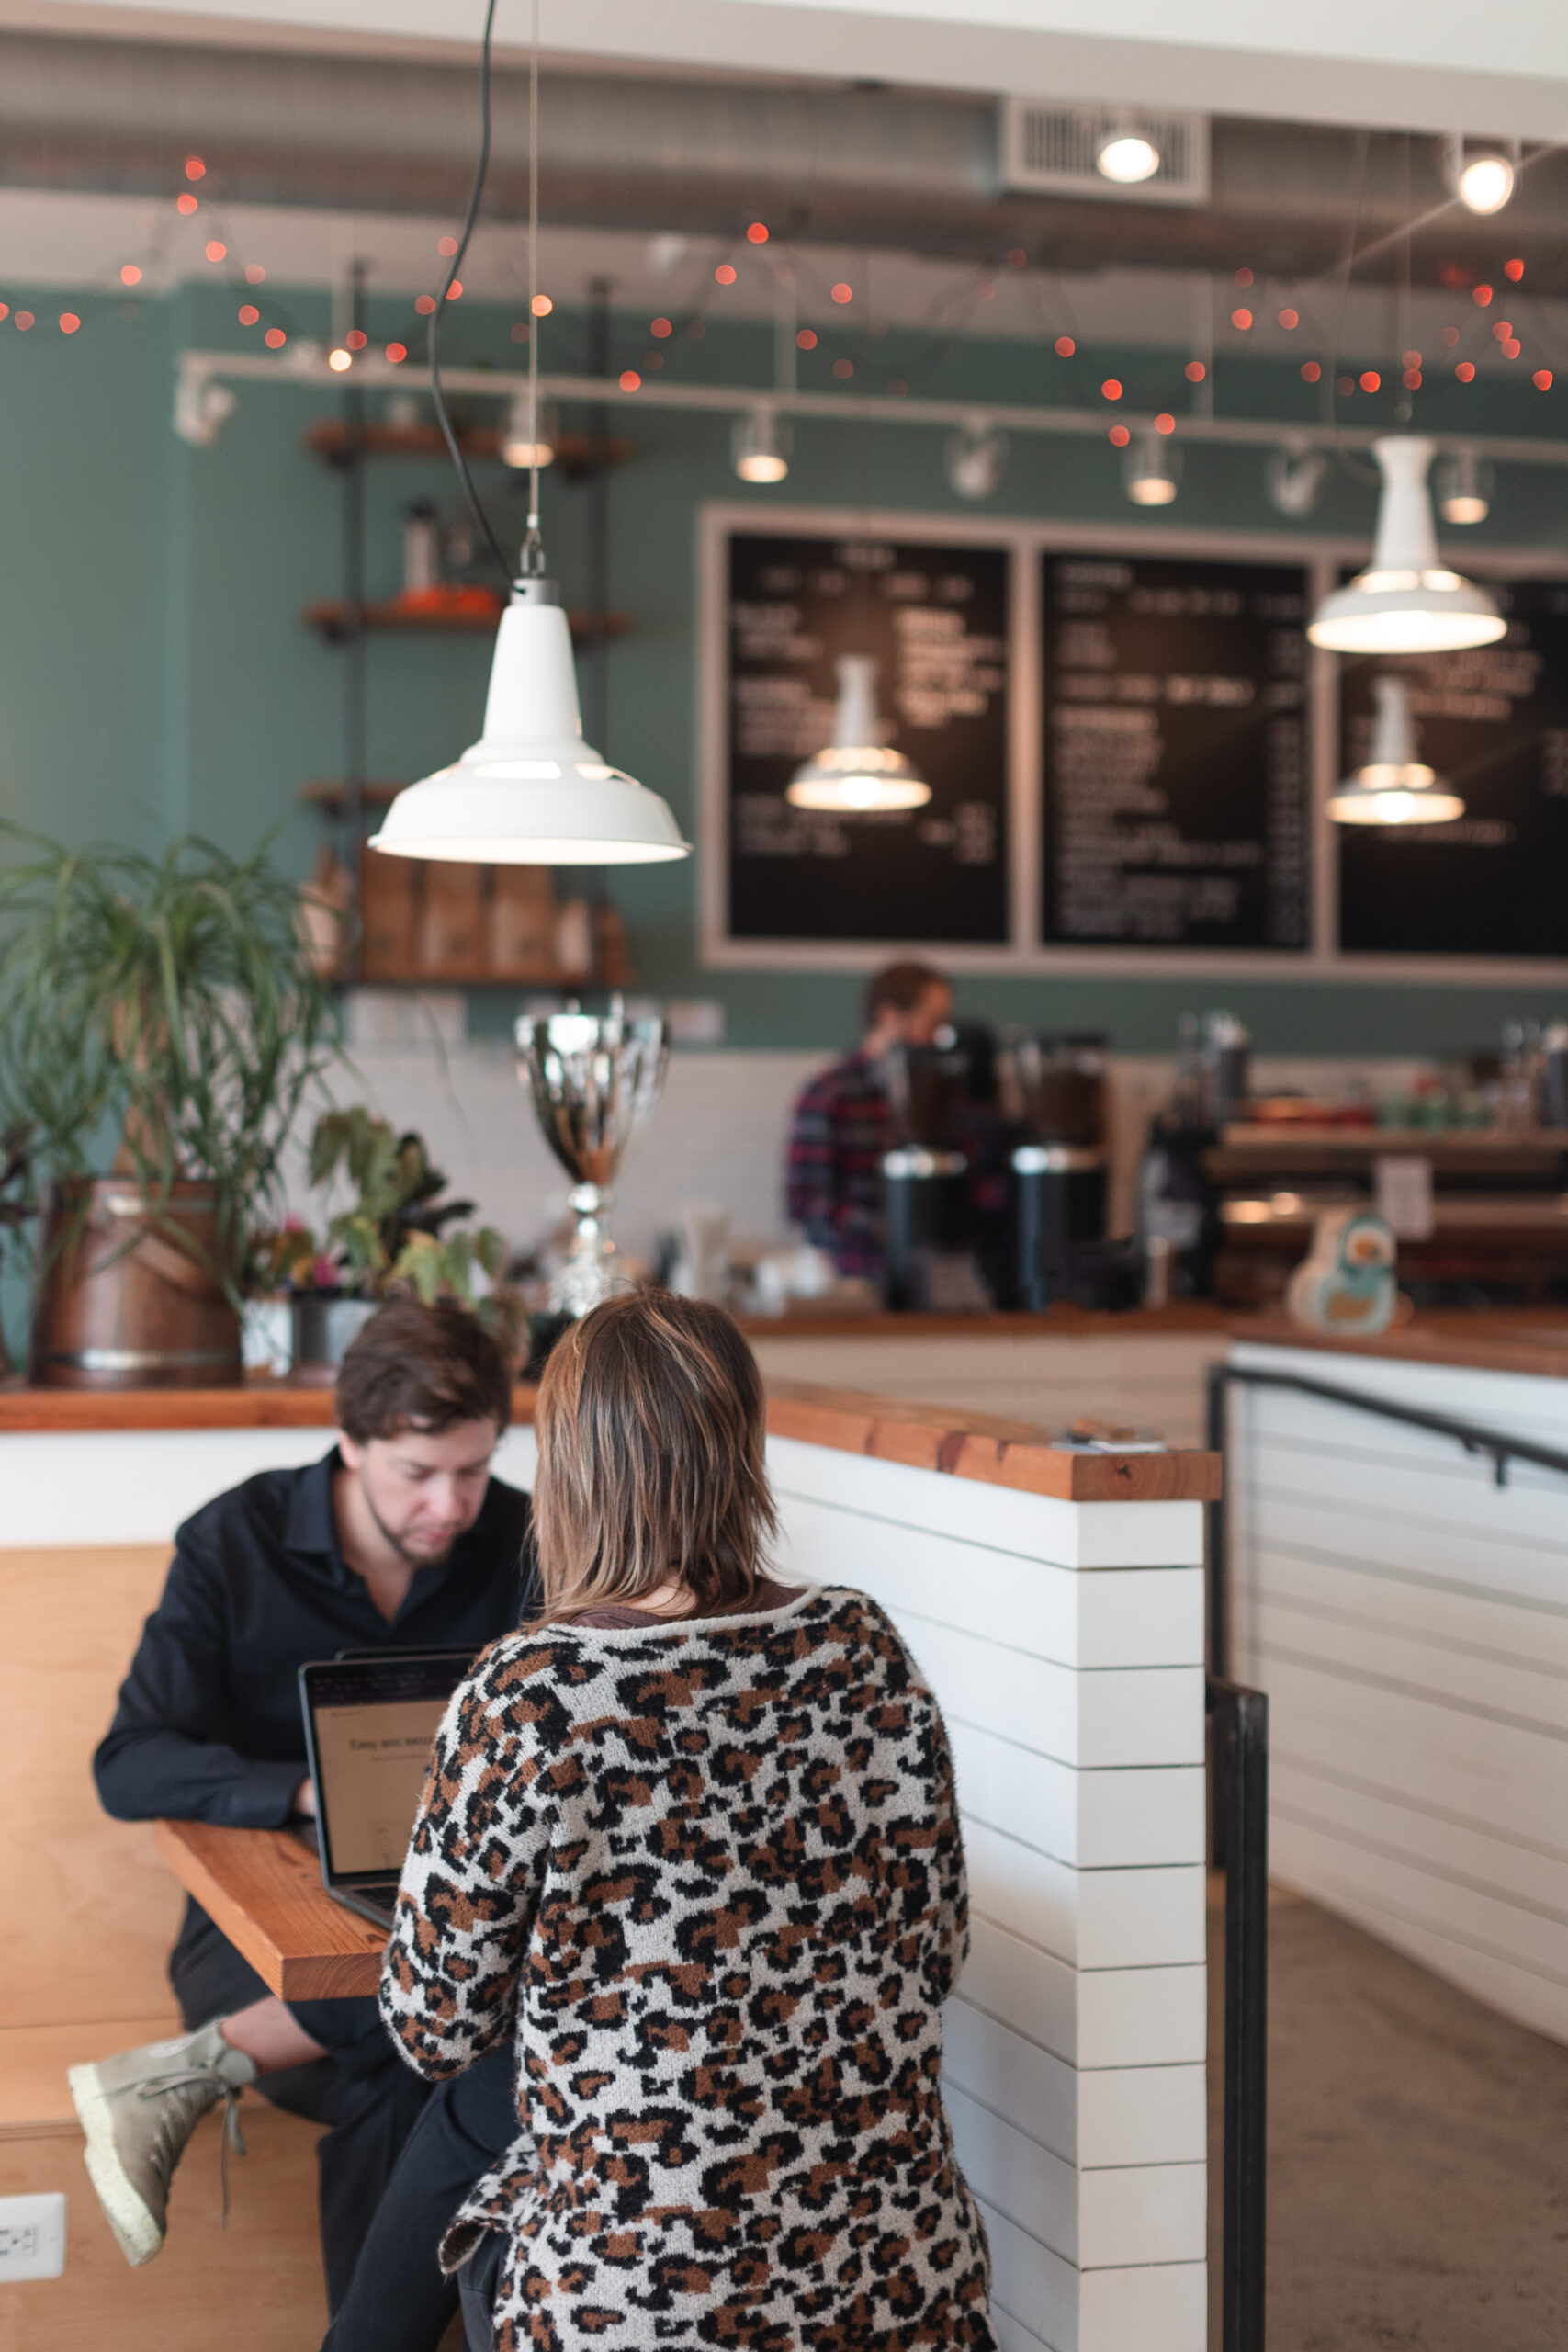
x=531, y=792
x=1405, y=602
x=857, y=774
x=1394, y=787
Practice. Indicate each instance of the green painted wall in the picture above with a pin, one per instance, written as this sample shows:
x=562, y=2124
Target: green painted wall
x=154, y=675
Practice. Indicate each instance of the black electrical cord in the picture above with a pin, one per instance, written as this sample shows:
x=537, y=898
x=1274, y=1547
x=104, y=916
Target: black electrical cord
x=474, y=200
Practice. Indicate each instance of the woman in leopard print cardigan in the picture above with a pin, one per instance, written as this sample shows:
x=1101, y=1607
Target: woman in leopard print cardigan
x=692, y=1843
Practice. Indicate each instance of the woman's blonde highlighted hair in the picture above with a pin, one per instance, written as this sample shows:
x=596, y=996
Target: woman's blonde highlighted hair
x=652, y=1422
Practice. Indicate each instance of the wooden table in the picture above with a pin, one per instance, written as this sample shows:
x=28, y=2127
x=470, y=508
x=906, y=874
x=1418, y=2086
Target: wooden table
x=264, y=1891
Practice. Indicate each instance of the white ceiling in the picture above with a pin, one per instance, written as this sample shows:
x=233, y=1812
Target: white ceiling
x=1416, y=64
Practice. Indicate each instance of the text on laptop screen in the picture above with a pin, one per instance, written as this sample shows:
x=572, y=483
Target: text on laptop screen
x=373, y=1743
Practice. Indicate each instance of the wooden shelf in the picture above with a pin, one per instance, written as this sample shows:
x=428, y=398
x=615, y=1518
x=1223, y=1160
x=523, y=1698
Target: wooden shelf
x=329, y=795
x=578, y=454
x=330, y=617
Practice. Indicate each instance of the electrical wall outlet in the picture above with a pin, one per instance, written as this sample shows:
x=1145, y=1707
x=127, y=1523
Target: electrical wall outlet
x=32, y=2237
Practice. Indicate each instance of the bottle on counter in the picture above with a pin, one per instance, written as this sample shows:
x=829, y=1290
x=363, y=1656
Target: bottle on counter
x=1554, y=1075
x=1227, y=1074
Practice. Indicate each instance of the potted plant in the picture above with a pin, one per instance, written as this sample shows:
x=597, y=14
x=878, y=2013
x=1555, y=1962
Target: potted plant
x=395, y=1235
x=162, y=1028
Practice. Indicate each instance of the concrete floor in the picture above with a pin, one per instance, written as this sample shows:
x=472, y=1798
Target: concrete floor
x=1418, y=2155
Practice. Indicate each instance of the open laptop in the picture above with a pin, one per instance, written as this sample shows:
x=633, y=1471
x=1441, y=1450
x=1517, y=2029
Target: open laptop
x=370, y=1721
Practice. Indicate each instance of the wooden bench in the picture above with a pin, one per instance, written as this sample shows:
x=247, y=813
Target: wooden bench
x=92, y=1912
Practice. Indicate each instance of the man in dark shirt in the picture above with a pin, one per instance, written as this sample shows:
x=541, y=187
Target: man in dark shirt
x=399, y=1538
x=842, y=1126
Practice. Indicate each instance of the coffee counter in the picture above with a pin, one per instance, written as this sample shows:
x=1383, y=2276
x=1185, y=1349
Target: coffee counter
x=1055, y=1602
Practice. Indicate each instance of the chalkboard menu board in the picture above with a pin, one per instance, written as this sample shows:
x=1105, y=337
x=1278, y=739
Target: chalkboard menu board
x=935, y=617
x=1175, y=769
x=1494, y=723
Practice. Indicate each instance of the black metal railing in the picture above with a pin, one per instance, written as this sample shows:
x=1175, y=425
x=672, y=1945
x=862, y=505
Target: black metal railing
x=1238, y=1752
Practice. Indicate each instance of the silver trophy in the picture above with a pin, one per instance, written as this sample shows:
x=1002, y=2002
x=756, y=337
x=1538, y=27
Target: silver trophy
x=595, y=1083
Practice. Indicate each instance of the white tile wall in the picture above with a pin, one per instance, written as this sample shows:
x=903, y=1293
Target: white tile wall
x=717, y=1136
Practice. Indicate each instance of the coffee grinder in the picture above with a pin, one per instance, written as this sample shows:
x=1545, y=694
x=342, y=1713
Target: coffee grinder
x=928, y=1232
x=1060, y=1173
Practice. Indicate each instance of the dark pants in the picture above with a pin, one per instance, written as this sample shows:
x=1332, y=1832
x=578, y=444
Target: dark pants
x=400, y=2300
x=362, y=2089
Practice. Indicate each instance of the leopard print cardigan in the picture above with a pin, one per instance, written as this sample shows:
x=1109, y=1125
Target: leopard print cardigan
x=709, y=1875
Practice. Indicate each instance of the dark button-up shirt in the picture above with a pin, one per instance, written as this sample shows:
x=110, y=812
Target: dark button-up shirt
x=209, y=1724
x=840, y=1129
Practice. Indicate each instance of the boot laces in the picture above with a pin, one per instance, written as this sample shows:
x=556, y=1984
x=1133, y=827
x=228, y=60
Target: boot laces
x=174, y=2129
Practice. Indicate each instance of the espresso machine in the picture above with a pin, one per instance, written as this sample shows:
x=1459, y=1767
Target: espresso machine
x=928, y=1240
x=1061, y=1172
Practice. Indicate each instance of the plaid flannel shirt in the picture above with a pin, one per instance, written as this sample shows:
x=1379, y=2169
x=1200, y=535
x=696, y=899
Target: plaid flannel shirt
x=840, y=1129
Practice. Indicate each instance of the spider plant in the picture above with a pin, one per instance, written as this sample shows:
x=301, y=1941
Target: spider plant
x=159, y=1020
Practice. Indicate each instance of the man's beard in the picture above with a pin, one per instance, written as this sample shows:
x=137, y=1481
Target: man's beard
x=405, y=1553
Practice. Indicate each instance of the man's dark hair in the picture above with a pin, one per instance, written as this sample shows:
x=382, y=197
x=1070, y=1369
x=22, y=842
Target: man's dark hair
x=901, y=986
x=425, y=1368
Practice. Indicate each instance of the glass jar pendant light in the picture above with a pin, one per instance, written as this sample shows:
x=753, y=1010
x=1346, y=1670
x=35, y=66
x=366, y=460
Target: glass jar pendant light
x=857, y=774
x=1394, y=787
x=530, y=792
x=1405, y=602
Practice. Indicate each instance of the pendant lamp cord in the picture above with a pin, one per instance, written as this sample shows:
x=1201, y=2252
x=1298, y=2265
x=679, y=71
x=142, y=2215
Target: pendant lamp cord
x=533, y=543
x=476, y=197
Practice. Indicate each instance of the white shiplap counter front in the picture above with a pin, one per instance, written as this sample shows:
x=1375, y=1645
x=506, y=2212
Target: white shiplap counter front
x=1065, y=1642
x=1408, y=1618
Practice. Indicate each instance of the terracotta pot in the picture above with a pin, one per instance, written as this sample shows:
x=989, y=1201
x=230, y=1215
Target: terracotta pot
x=121, y=1305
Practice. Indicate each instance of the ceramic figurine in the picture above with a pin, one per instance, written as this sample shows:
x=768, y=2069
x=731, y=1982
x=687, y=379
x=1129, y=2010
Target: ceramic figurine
x=1346, y=1282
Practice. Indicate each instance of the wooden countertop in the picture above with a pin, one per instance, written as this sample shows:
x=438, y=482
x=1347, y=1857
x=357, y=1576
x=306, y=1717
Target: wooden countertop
x=1532, y=1339
x=1180, y=1321
x=264, y=1891
x=982, y=1446
x=258, y=1404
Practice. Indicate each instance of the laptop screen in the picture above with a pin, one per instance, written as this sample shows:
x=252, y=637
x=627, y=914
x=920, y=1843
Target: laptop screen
x=372, y=1725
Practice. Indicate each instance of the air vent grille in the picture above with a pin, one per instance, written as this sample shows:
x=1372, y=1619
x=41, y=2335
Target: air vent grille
x=1050, y=150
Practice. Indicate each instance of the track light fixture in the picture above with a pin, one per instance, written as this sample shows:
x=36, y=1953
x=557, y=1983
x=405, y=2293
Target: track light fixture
x=1394, y=787
x=524, y=442
x=976, y=459
x=1294, y=479
x=1126, y=154
x=1463, y=484
x=759, y=446
x=201, y=408
x=1482, y=178
x=1150, y=470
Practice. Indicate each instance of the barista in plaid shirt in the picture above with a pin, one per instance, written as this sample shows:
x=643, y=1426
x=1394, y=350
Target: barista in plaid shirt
x=841, y=1125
